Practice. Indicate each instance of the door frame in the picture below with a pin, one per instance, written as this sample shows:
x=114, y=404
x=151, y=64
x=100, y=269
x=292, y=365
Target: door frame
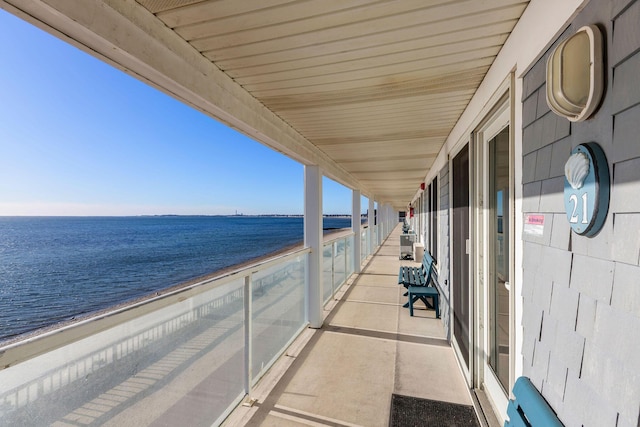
x=468, y=371
x=498, y=118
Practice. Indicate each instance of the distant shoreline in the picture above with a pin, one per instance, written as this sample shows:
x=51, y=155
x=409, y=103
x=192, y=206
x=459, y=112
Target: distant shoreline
x=179, y=215
x=249, y=215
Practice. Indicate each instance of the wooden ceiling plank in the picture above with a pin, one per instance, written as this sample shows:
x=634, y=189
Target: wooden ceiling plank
x=368, y=145
x=368, y=63
x=380, y=72
x=204, y=11
x=429, y=148
x=380, y=124
x=379, y=119
x=453, y=97
x=292, y=17
x=327, y=53
x=158, y=6
x=394, y=175
x=387, y=91
x=347, y=132
x=460, y=80
x=381, y=84
x=343, y=50
x=419, y=112
x=369, y=33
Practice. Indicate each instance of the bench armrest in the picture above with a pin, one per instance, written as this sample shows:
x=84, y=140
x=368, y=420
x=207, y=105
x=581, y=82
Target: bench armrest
x=529, y=403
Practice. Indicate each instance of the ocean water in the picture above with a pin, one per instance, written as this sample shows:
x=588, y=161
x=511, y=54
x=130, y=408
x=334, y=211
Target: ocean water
x=55, y=268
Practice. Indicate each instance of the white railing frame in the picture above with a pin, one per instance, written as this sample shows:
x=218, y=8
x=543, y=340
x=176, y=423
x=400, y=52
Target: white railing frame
x=20, y=351
x=26, y=349
x=332, y=242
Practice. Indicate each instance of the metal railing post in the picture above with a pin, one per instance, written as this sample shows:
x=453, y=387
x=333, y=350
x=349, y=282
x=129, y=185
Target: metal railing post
x=248, y=330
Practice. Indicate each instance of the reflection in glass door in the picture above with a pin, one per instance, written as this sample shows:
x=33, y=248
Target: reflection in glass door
x=460, y=253
x=498, y=240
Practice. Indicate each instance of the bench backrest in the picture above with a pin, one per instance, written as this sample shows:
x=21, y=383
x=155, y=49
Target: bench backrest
x=427, y=267
x=529, y=409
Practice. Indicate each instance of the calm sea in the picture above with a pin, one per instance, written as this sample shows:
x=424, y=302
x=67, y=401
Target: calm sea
x=55, y=268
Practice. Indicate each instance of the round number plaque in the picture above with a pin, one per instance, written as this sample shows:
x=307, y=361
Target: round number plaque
x=586, y=189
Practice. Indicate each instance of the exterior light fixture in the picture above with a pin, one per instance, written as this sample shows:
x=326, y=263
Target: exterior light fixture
x=575, y=77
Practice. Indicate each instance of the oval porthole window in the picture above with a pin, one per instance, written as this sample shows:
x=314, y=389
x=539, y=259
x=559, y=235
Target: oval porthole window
x=574, y=75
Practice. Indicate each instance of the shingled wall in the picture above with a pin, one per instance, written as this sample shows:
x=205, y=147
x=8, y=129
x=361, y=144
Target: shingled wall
x=581, y=296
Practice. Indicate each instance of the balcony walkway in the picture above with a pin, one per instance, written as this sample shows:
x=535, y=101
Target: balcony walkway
x=369, y=348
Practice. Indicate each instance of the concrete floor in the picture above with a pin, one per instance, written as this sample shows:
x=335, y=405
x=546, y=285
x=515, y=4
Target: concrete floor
x=369, y=347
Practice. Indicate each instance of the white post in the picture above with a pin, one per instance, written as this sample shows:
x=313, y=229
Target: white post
x=313, y=240
x=387, y=215
x=372, y=243
x=355, y=226
x=393, y=219
x=382, y=215
x=248, y=334
x=385, y=221
x=376, y=220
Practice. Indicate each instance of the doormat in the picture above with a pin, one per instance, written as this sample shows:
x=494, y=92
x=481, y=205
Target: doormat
x=412, y=411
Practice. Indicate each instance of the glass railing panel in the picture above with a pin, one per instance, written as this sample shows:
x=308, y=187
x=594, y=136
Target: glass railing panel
x=349, y=254
x=365, y=240
x=327, y=272
x=278, y=311
x=339, y=264
x=156, y=368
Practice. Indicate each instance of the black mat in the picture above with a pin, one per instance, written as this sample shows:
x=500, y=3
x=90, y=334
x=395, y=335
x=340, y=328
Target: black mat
x=411, y=411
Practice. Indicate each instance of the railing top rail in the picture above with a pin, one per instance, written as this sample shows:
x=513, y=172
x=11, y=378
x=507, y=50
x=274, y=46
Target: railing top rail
x=337, y=236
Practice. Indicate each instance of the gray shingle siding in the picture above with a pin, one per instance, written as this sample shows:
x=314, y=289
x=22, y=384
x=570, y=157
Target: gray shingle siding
x=443, y=252
x=581, y=296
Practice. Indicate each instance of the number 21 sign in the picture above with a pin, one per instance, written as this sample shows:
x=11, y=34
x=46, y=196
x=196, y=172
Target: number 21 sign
x=586, y=189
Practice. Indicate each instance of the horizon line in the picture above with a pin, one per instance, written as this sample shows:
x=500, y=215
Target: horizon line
x=171, y=215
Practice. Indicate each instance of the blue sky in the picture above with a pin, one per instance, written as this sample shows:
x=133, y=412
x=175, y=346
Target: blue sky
x=78, y=137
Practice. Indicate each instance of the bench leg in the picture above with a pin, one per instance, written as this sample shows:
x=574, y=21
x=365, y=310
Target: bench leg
x=410, y=302
x=426, y=302
x=435, y=303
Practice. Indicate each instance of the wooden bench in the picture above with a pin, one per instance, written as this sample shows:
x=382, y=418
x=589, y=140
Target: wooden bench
x=529, y=409
x=417, y=276
x=418, y=281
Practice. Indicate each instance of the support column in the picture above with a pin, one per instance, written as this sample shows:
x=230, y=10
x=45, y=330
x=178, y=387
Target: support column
x=376, y=215
x=387, y=215
x=372, y=240
x=393, y=219
x=386, y=220
x=355, y=227
x=313, y=240
x=381, y=222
